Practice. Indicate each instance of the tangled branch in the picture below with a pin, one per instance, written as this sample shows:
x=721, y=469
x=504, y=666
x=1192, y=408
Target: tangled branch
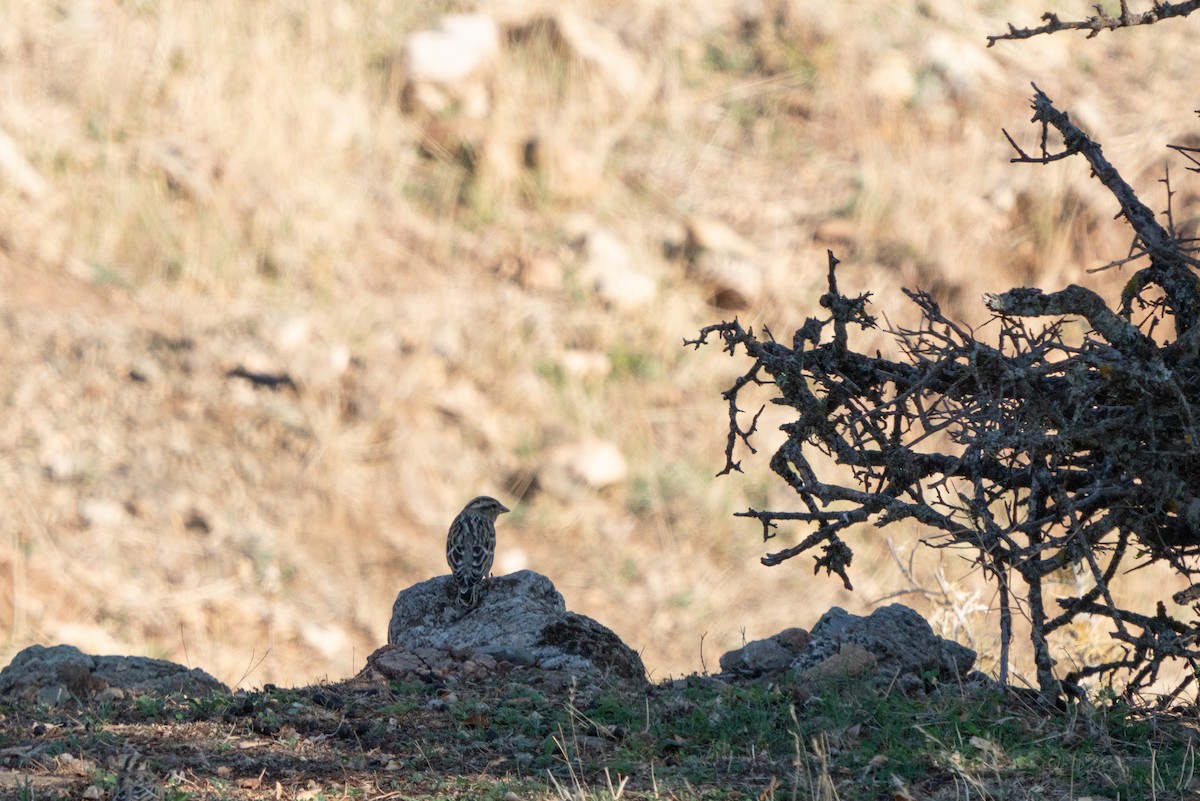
x=1037, y=453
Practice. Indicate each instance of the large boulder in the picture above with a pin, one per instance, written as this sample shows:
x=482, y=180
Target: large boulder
x=59, y=673
x=522, y=619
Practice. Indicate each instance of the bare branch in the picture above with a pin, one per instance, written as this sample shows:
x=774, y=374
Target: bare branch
x=1101, y=21
x=1038, y=453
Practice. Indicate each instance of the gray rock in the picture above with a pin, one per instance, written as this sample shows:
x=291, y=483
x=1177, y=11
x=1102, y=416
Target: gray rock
x=521, y=613
x=901, y=641
x=771, y=655
x=40, y=673
x=756, y=658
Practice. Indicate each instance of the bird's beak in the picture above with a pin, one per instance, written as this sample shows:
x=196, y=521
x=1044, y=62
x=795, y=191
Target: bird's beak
x=503, y=508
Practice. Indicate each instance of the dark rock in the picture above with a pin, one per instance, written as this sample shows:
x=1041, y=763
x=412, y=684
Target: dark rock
x=893, y=644
x=40, y=673
x=901, y=641
x=521, y=616
x=758, y=657
x=771, y=655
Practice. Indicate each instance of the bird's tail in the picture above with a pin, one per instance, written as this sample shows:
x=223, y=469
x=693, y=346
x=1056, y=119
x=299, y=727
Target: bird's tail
x=468, y=595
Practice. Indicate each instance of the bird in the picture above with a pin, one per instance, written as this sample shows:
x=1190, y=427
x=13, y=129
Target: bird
x=471, y=547
x=135, y=781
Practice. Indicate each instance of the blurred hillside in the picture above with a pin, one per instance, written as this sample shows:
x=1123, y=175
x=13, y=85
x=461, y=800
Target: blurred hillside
x=272, y=313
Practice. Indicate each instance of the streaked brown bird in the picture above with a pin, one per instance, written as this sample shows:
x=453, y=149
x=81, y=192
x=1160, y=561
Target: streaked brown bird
x=135, y=782
x=471, y=547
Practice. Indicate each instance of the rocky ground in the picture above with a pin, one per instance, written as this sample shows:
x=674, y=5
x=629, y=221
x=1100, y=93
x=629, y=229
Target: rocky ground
x=859, y=708
x=273, y=309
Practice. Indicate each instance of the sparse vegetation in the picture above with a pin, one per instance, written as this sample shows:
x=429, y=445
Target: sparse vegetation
x=231, y=185
x=692, y=739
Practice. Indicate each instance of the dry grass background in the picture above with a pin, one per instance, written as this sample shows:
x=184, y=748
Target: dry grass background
x=189, y=187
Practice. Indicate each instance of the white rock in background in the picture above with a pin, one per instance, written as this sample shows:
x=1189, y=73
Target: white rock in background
x=62, y=464
x=892, y=80
x=452, y=63
x=626, y=288
x=462, y=45
x=610, y=270
x=967, y=69
x=463, y=403
x=294, y=334
x=511, y=559
x=102, y=513
x=606, y=251
x=327, y=638
x=586, y=364
x=574, y=468
x=597, y=463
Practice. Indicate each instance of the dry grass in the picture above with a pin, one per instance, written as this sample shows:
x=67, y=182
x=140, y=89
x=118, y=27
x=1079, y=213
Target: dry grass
x=240, y=177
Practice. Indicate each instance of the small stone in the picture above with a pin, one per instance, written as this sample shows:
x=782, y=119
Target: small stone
x=63, y=466
x=851, y=662
x=294, y=334
x=606, y=251
x=145, y=370
x=900, y=639
x=540, y=274
x=102, y=513
x=757, y=657
x=54, y=695
x=892, y=81
x=969, y=71
x=797, y=639
x=110, y=694
x=593, y=464
x=568, y=170
x=328, y=639
x=598, y=463
x=609, y=268
x=626, y=289
x=461, y=47
x=586, y=364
